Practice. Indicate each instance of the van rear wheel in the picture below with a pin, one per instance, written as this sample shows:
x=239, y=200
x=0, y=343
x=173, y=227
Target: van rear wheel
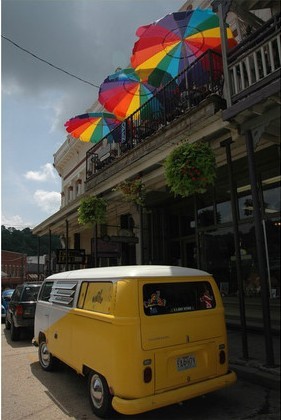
x=99, y=395
x=46, y=359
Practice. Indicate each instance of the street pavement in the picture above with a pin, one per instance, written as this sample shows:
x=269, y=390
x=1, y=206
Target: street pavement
x=254, y=369
x=29, y=393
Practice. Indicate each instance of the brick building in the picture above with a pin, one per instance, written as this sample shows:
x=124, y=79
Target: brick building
x=13, y=268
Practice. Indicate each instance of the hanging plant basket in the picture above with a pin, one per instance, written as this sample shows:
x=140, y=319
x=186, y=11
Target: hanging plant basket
x=92, y=210
x=133, y=191
x=190, y=168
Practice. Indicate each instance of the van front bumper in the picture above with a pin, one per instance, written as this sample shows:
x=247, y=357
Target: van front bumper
x=140, y=405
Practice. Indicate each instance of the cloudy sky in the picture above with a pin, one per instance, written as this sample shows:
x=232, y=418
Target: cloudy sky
x=88, y=38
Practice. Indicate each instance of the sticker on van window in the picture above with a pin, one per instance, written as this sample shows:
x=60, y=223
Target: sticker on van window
x=98, y=297
x=155, y=300
x=207, y=299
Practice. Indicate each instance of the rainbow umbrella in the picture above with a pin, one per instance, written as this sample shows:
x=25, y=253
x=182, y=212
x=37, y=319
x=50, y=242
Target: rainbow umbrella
x=93, y=126
x=125, y=91
x=177, y=40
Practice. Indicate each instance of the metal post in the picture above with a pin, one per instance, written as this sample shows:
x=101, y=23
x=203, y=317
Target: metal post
x=196, y=232
x=234, y=210
x=96, y=245
x=38, y=258
x=260, y=250
x=66, y=244
x=211, y=64
x=267, y=257
x=164, y=109
x=141, y=232
x=50, y=253
x=222, y=10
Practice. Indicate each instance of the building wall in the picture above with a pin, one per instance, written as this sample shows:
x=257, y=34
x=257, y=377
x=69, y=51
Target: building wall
x=157, y=241
x=14, y=264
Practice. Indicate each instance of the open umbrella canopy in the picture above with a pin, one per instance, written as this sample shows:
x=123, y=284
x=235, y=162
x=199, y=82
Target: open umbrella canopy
x=92, y=127
x=125, y=91
x=175, y=41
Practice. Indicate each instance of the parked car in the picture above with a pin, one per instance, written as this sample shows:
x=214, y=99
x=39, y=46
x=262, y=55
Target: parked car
x=5, y=299
x=3, y=312
x=21, y=309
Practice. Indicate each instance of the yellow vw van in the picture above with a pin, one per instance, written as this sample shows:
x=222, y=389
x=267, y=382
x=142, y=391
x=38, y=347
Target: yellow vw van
x=145, y=336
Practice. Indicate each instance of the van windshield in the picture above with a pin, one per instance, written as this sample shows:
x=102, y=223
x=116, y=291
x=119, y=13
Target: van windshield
x=168, y=298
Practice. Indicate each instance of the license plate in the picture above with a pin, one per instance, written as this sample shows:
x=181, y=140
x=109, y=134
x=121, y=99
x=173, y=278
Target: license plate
x=186, y=362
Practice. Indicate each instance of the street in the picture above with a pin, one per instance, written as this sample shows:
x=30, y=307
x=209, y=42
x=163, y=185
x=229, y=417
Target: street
x=30, y=393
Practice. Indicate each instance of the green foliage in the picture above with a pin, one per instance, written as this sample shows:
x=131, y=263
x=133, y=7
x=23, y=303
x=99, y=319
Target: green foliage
x=190, y=168
x=133, y=191
x=25, y=242
x=92, y=210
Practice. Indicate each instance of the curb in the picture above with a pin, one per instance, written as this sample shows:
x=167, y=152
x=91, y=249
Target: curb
x=255, y=375
x=251, y=327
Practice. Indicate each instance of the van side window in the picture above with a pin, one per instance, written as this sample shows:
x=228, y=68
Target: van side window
x=168, y=298
x=45, y=292
x=96, y=297
x=82, y=295
x=63, y=293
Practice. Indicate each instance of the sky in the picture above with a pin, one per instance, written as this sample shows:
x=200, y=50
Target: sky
x=87, y=38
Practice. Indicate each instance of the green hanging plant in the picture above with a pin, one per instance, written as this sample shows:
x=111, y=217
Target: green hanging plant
x=133, y=191
x=190, y=168
x=92, y=210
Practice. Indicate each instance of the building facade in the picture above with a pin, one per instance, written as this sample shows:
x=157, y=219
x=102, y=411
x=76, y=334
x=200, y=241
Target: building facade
x=167, y=224
x=233, y=229
x=13, y=267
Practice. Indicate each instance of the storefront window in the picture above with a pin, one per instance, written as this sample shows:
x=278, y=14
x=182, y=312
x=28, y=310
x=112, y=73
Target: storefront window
x=271, y=199
x=219, y=258
x=245, y=205
x=206, y=216
x=224, y=213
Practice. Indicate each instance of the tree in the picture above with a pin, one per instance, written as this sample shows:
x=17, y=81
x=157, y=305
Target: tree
x=25, y=242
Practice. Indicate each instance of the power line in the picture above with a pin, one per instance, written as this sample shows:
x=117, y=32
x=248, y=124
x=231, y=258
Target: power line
x=47, y=62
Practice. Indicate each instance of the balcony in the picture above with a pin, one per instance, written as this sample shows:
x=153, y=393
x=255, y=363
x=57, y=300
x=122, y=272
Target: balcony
x=134, y=136
x=254, y=68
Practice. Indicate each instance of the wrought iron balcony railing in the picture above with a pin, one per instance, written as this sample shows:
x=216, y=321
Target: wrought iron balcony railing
x=202, y=78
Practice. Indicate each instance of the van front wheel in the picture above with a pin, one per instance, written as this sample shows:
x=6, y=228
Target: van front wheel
x=46, y=359
x=99, y=395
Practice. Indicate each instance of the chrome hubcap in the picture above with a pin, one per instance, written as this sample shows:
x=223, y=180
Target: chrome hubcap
x=45, y=355
x=97, y=393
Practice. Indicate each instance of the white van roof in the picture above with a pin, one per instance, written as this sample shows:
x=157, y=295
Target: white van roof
x=129, y=271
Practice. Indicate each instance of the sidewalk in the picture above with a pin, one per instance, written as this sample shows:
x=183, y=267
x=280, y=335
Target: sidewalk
x=254, y=369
